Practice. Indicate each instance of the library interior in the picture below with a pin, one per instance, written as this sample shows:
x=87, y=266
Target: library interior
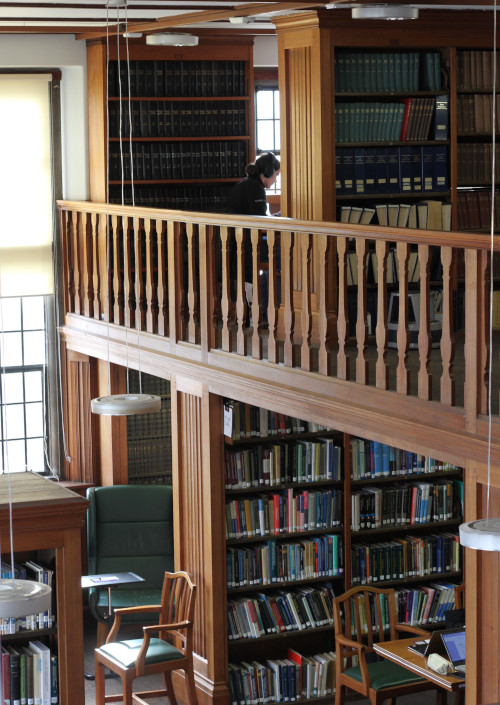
x=283, y=431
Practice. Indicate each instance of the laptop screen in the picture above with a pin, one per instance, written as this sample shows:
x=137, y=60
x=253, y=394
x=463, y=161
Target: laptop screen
x=455, y=645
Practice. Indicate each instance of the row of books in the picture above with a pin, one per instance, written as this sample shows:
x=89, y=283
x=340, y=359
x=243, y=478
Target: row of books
x=371, y=459
x=387, y=71
x=29, y=675
x=475, y=113
x=474, y=209
x=277, y=464
x=401, y=215
x=296, y=677
x=474, y=162
x=475, y=69
x=275, y=562
x=374, y=507
x=171, y=78
x=247, y=421
x=280, y=611
x=199, y=197
x=406, y=557
x=29, y=570
x=408, y=120
x=425, y=604
x=219, y=159
x=407, y=169
x=283, y=512
x=155, y=118
x=150, y=425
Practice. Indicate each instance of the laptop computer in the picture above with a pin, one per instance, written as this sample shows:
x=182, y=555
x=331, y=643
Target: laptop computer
x=454, y=643
x=424, y=647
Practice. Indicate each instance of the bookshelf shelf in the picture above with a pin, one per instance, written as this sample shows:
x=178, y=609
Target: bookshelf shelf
x=404, y=528
x=265, y=587
x=283, y=635
x=284, y=536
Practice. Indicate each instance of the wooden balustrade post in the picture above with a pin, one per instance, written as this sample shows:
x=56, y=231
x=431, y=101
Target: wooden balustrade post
x=129, y=277
x=306, y=315
x=381, y=367
x=256, y=306
x=175, y=283
x=140, y=308
x=287, y=288
x=162, y=285
x=76, y=263
x=150, y=289
x=101, y=267
x=361, y=361
x=424, y=330
x=272, y=304
x=241, y=340
x=323, y=249
x=403, y=374
x=191, y=283
x=206, y=286
x=447, y=338
x=342, y=316
x=226, y=293
x=117, y=282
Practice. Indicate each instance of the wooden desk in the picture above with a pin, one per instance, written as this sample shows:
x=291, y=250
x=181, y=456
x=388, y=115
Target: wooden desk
x=46, y=515
x=398, y=652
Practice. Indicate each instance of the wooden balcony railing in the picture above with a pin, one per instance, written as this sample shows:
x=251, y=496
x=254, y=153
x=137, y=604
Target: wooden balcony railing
x=405, y=310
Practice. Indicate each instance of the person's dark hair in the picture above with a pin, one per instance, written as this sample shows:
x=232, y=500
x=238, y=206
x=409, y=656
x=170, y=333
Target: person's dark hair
x=266, y=164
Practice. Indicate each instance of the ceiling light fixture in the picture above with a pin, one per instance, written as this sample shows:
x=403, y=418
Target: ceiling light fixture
x=126, y=404
x=384, y=12
x=241, y=20
x=171, y=39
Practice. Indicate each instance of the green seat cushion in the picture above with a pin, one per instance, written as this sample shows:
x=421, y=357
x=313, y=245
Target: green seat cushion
x=126, y=652
x=384, y=674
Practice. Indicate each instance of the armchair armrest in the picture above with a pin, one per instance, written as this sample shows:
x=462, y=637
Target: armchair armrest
x=150, y=629
x=122, y=611
x=408, y=628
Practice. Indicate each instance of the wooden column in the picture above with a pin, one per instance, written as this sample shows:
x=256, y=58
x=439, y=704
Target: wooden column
x=307, y=156
x=197, y=463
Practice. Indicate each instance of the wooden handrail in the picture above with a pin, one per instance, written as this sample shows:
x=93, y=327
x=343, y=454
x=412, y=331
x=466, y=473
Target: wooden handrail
x=283, y=291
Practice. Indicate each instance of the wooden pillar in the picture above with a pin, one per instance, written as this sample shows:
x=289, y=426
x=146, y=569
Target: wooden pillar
x=307, y=136
x=197, y=462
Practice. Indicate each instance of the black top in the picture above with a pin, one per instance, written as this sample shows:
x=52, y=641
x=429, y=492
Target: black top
x=248, y=197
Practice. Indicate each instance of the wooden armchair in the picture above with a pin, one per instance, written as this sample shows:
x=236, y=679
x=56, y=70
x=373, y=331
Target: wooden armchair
x=170, y=651
x=364, y=615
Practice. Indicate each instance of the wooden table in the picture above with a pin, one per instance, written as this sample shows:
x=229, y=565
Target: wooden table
x=398, y=652
x=46, y=515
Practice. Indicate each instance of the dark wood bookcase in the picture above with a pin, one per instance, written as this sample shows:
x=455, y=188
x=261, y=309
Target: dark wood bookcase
x=179, y=122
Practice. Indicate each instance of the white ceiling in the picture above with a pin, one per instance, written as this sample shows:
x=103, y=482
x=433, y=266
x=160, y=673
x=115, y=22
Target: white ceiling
x=90, y=16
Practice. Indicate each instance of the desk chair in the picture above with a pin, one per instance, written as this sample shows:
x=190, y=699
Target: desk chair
x=129, y=528
x=151, y=655
x=376, y=680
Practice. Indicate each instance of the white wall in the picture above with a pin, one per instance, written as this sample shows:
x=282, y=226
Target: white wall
x=66, y=53
x=265, y=50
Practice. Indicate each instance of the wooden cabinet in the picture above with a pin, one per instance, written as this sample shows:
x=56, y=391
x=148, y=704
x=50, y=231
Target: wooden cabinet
x=46, y=515
x=179, y=122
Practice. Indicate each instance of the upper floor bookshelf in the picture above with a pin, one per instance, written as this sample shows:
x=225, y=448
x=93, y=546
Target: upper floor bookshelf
x=170, y=127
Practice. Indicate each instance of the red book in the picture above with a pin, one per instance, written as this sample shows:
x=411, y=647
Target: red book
x=404, y=126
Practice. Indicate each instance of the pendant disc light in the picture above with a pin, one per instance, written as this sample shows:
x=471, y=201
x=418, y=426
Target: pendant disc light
x=126, y=404
x=19, y=598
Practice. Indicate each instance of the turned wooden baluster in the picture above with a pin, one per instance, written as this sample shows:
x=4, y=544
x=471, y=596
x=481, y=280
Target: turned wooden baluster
x=306, y=316
x=209, y=290
x=241, y=340
x=342, y=319
x=129, y=273
x=361, y=361
x=88, y=266
x=77, y=273
x=225, y=293
x=150, y=287
x=272, y=304
x=424, y=331
x=140, y=304
x=381, y=366
x=161, y=290
x=447, y=338
x=402, y=372
x=117, y=266
x=323, y=247
x=69, y=219
x=191, y=283
x=101, y=254
x=287, y=287
x=256, y=298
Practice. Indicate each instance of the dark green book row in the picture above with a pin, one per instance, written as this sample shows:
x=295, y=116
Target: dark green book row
x=210, y=199
x=189, y=160
x=387, y=71
x=159, y=118
x=170, y=78
x=474, y=162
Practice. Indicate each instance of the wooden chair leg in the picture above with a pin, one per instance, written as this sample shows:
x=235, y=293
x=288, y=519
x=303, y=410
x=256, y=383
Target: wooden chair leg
x=167, y=676
x=102, y=633
x=191, y=688
x=99, y=683
x=340, y=695
x=127, y=689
